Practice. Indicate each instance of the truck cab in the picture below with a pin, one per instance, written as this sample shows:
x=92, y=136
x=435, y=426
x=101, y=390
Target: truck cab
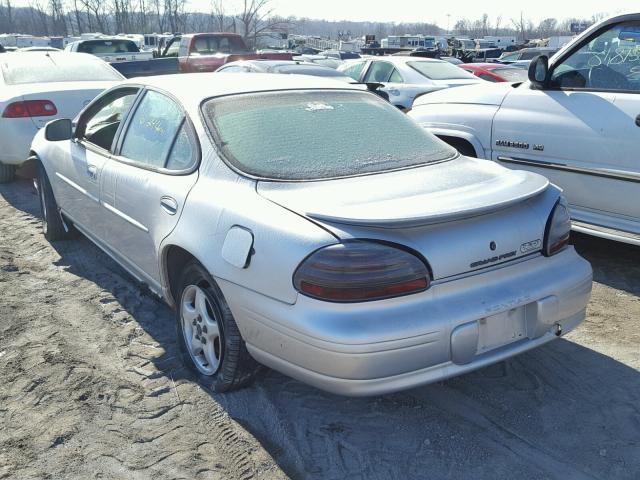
x=206, y=52
x=576, y=121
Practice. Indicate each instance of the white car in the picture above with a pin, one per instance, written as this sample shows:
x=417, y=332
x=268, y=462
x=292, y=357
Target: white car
x=38, y=87
x=406, y=78
x=576, y=121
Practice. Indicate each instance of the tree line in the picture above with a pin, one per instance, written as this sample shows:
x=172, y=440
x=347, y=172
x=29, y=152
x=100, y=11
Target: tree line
x=250, y=18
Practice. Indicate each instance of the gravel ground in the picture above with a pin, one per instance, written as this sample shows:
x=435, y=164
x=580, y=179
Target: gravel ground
x=91, y=387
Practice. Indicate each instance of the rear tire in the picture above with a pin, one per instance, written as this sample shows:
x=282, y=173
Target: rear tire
x=52, y=225
x=209, y=340
x=7, y=172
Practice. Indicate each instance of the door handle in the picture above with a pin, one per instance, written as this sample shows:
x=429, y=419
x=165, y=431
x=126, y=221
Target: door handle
x=169, y=205
x=92, y=171
x=638, y=120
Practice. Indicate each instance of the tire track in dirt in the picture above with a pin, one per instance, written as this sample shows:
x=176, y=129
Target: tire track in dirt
x=92, y=384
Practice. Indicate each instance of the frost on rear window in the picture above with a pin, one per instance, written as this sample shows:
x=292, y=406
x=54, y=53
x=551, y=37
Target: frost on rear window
x=307, y=135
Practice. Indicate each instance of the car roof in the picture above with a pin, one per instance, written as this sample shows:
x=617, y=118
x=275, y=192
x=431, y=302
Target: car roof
x=191, y=88
x=40, y=58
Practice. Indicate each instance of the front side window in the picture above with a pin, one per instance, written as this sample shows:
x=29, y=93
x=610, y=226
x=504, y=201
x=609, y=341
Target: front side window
x=152, y=130
x=99, y=124
x=259, y=134
x=610, y=61
x=379, y=72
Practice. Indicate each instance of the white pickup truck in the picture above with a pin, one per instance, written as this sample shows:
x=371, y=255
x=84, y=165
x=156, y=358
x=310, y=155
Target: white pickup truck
x=576, y=121
x=110, y=49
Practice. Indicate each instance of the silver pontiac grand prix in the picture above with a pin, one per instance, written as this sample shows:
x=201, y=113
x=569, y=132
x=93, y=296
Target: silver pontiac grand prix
x=309, y=226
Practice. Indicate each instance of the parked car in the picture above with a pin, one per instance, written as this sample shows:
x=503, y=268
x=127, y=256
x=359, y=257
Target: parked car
x=41, y=86
x=362, y=261
x=495, y=72
x=320, y=60
x=110, y=49
x=576, y=122
x=40, y=49
x=339, y=54
x=283, y=67
x=453, y=60
x=527, y=54
x=405, y=78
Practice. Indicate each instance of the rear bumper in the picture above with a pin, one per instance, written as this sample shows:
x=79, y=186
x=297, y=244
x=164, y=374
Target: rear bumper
x=379, y=347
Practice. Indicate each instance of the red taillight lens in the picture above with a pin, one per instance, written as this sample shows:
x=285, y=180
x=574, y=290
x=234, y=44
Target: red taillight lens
x=30, y=108
x=359, y=271
x=558, y=229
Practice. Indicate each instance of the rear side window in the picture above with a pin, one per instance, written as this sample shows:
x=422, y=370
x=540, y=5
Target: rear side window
x=156, y=137
x=260, y=134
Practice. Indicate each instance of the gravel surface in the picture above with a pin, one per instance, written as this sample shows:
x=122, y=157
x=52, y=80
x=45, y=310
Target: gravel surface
x=91, y=387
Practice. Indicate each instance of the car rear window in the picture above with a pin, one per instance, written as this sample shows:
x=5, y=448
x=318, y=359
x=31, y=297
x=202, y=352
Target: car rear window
x=439, y=70
x=318, y=134
x=512, y=74
x=53, y=68
x=108, y=46
x=316, y=71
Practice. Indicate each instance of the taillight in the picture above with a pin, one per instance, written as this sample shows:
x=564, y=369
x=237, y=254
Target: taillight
x=361, y=270
x=556, y=236
x=30, y=108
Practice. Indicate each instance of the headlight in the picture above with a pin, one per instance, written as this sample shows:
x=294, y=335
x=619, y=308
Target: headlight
x=360, y=270
x=556, y=236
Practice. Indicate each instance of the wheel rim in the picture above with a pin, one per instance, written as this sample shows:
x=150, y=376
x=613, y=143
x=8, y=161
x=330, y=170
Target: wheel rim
x=201, y=330
x=43, y=206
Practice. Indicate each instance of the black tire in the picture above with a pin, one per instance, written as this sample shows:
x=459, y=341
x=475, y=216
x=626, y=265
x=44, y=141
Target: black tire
x=236, y=368
x=7, y=172
x=52, y=225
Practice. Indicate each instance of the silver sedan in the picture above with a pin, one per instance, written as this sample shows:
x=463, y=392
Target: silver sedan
x=361, y=261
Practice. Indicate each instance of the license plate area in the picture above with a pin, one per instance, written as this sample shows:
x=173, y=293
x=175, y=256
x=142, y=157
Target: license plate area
x=502, y=329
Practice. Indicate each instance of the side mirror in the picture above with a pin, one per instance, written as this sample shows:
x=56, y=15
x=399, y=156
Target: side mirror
x=58, y=130
x=539, y=70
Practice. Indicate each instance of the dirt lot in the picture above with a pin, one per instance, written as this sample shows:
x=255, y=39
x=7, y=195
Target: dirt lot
x=91, y=387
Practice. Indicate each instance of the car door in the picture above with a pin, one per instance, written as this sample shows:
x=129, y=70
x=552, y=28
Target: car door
x=153, y=170
x=79, y=174
x=582, y=131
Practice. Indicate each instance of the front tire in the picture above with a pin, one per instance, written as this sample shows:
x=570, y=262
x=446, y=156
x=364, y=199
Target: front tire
x=52, y=225
x=7, y=172
x=208, y=337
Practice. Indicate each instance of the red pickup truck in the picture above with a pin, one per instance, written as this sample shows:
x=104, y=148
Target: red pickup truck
x=205, y=52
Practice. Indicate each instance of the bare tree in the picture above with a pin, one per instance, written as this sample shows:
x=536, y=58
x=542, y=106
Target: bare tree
x=520, y=26
x=256, y=19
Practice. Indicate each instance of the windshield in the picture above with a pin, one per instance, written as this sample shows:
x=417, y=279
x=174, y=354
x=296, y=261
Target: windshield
x=57, y=68
x=318, y=134
x=439, y=70
x=512, y=74
x=107, y=46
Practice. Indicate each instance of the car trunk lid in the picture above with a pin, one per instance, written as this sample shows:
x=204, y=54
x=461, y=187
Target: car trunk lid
x=462, y=215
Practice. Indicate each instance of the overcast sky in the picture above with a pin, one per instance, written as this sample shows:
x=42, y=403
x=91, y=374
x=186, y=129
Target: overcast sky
x=429, y=11
x=436, y=11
